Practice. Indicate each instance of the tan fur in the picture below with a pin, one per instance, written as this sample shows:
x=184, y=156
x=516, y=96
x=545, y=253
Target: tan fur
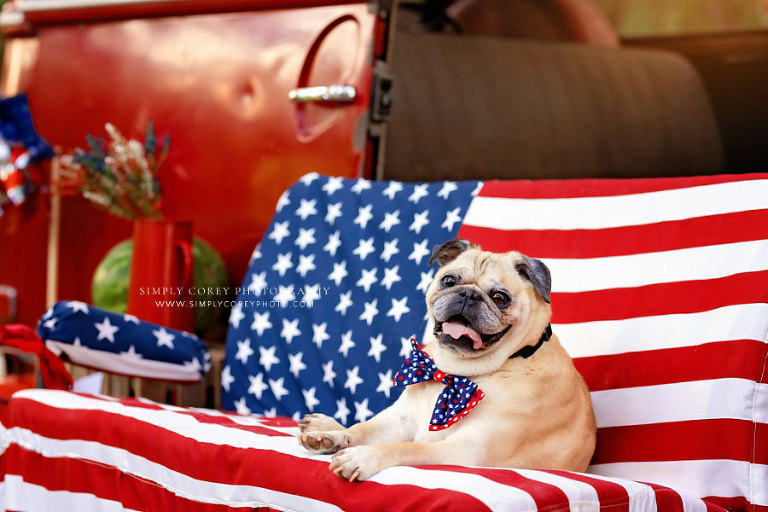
x=536, y=413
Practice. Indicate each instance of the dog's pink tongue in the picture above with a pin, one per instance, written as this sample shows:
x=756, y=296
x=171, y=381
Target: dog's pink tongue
x=457, y=329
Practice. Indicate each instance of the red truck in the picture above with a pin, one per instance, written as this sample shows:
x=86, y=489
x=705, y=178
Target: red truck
x=253, y=93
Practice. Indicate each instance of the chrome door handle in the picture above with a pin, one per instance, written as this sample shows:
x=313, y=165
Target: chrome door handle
x=324, y=94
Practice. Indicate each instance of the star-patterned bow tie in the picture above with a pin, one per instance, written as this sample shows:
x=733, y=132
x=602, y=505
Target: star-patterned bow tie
x=459, y=396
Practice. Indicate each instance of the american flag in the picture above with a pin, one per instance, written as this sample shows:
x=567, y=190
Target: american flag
x=660, y=293
x=122, y=344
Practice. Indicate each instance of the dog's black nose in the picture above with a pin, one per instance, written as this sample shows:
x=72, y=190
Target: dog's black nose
x=468, y=295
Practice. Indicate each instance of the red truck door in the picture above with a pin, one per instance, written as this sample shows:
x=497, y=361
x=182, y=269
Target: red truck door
x=254, y=94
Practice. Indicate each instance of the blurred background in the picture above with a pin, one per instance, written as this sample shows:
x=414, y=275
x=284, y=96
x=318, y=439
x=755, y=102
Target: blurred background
x=644, y=18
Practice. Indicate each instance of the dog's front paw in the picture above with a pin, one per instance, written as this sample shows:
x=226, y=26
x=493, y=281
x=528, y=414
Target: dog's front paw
x=357, y=463
x=319, y=423
x=324, y=442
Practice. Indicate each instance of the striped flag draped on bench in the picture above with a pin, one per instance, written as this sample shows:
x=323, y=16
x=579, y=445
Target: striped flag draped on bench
x=660, y=293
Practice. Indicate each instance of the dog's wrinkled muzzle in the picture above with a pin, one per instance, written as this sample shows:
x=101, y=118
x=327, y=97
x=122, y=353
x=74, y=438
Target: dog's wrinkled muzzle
x=457, y=327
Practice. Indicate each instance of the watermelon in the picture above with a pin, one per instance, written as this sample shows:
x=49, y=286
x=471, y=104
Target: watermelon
x=109, y=287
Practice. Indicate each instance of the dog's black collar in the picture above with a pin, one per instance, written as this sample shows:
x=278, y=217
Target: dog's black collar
x=528, y=350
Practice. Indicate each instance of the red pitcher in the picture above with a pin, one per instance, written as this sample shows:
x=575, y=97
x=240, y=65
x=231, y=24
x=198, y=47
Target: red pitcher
x=161, y=285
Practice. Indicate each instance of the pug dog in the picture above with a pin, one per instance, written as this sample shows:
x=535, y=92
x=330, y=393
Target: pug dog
x=493, y=387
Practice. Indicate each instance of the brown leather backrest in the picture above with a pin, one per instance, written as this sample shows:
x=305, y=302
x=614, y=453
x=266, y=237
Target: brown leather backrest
x=469, y=107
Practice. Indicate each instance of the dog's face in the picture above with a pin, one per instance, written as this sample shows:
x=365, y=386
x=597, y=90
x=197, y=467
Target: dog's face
x=485, y=306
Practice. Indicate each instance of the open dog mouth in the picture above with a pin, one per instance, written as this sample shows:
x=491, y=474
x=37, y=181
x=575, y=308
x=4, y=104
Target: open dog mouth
x=457, y=330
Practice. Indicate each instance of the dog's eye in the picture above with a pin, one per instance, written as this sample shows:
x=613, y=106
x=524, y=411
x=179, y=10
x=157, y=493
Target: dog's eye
x=449, y=280
x=500, y=298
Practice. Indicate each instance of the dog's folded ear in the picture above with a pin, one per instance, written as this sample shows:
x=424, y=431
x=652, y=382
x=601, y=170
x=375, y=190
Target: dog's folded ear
x=537, y=273
x=449, y=251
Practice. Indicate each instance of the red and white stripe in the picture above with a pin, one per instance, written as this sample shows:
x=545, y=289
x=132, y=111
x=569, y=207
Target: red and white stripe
x=660, y=293
x=89, y=453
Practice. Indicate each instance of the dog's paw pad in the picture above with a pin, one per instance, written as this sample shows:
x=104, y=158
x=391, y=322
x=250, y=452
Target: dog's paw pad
x=323, y=442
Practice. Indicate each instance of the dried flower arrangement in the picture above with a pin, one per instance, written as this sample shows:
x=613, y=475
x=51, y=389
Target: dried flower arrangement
x=119, y=175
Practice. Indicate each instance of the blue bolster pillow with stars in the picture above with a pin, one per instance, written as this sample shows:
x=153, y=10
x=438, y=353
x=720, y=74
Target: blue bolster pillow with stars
x=122, y=344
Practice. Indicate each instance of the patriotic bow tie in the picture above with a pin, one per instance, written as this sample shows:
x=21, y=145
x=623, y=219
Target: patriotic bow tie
x=459, y=396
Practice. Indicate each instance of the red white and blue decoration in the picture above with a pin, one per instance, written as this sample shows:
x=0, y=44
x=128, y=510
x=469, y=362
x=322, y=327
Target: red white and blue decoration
x=334, y=293
x=122, y=344
x=459, y=396
x=20, y=147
